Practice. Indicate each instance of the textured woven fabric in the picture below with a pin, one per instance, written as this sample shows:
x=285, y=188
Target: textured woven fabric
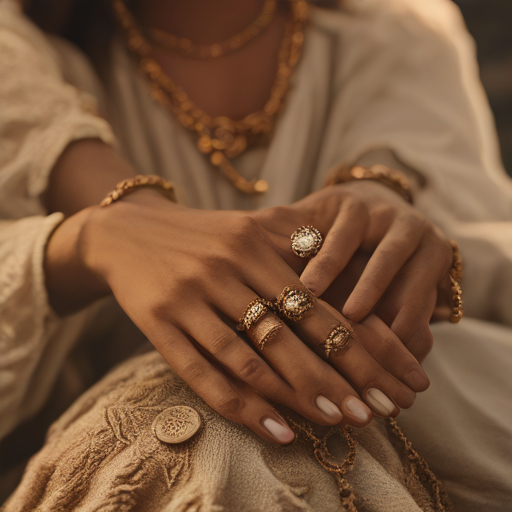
x=104, y=455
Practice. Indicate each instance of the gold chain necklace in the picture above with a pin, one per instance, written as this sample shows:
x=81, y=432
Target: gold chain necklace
x=220, y=137
x=187, y=48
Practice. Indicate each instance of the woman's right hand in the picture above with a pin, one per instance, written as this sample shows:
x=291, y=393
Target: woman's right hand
x=186, y=276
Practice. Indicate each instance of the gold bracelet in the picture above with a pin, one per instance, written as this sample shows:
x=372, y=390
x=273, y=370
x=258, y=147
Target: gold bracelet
x=127, y=186
x=392, y=178
x=455, y=277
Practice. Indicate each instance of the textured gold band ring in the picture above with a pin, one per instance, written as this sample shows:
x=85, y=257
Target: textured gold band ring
x=294, y=303
x=255, y=311
x=306, y=241
x=337, y=339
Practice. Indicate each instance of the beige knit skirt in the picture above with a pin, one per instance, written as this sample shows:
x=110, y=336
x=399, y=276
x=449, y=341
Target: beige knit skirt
x=104, y=454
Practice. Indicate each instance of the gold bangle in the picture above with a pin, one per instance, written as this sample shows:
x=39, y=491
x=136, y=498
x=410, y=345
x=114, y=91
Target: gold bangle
x=127, y=186
x=392, y=178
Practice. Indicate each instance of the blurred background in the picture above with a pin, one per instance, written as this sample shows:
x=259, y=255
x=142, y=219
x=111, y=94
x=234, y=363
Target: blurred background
x=490, y=23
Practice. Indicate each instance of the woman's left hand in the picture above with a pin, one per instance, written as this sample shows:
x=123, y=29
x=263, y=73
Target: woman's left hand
x=409, y=257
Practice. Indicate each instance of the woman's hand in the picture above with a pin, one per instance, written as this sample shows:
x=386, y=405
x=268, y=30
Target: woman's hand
x=410, y=257
x=186, y=276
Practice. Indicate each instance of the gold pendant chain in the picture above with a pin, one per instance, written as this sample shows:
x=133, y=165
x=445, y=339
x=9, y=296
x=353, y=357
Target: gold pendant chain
x=220, y=137
x=187, y=48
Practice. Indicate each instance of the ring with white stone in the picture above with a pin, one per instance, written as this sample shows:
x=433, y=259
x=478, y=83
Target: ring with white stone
x=306, y=241
x=294, y=303
x=336, y=340
x=255, y=311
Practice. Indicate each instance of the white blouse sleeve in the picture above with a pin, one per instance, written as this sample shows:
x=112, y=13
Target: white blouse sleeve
x=40, y=114
x=407, y=83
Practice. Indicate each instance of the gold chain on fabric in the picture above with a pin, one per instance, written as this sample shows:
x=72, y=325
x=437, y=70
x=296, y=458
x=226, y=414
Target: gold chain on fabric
x=418, y=467
x=187, y=48
x=323, y=455
x=220, y=137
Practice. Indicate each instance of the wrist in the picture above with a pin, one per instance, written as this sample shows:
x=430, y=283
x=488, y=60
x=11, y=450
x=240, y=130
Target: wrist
x=70, y=283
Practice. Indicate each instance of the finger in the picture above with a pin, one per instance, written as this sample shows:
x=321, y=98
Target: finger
x=357, y=366
x=409, y=303
x=387, y=349
x=226, y=346
x=407, y=309
x=317, y=389
x=231, y=398
x=353, y=361
x=341, y=242
x=395, y=249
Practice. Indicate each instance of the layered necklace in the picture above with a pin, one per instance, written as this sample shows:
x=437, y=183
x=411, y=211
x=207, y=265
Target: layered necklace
x=219, y=137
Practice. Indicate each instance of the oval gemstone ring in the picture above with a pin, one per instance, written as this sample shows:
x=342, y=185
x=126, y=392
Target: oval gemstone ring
x=306, y=241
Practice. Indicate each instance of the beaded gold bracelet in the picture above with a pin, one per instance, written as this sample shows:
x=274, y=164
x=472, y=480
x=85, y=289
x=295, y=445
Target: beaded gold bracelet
x=390, y=177
x=127, y=186
x=455, y=277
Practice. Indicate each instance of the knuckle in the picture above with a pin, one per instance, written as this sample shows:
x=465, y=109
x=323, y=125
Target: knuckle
x=245, y=227
x=230, y=406
x=194, y=371
x=385, y=213
x=222, y=342
x=252, y=369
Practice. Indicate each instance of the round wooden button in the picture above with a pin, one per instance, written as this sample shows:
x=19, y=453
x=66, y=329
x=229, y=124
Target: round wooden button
x=176, y=424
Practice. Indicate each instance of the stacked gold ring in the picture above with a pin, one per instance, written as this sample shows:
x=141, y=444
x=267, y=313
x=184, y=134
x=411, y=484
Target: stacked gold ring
x=294, y=303
x=254, y=312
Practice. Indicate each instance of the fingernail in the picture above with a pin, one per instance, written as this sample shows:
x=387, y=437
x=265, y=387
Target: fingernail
x=357, y=409
x=281, y=432
x=326, y=406
x=417, y=380
x=379, y=402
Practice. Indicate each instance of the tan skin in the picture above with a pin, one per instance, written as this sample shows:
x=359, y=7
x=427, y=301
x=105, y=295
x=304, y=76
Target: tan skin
x=185, y=276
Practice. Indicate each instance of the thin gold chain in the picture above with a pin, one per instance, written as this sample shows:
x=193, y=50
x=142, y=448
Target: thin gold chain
x=220, y=137
x=187, y=48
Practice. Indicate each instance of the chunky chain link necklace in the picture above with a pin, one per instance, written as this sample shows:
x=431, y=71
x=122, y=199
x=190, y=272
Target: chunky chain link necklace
x=220, y=137
x=187, y=48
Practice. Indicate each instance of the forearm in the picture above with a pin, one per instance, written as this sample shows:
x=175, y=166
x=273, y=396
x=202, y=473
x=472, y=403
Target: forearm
x=84, y=174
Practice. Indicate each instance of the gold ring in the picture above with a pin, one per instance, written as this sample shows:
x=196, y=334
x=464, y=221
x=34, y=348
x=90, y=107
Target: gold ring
x=306, y=241
x=255, y=311
x=294, y=303
x=337, y=339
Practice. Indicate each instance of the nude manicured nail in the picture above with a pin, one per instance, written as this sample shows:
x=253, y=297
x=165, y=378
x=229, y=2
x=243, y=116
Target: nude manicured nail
x=357, y=409
x=279, y=431
x=326, y=406
x=379, y=402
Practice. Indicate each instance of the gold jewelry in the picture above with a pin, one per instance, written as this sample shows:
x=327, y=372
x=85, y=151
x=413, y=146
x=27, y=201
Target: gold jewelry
x=187, y=48
x=127, y=186
x=325, y=458
x=255, y=311
x=455, y=277
x=458, y=307
x=293, y=303
x=392, y=178
x=306, y=241
x=456, y=270
x=220, y=137
x=271, y=333
x=337, y=339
